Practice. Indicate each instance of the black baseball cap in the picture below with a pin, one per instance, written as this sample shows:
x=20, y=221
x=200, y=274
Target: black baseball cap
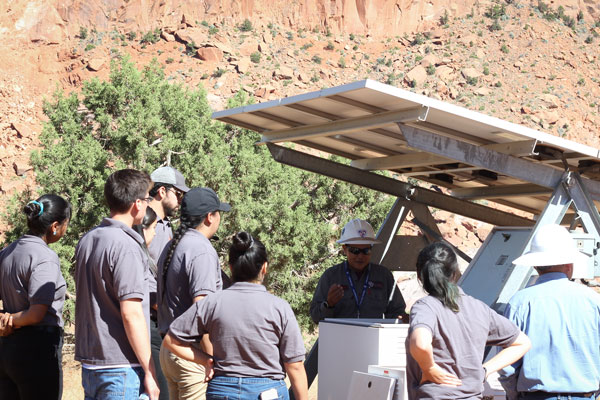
x=202, y=201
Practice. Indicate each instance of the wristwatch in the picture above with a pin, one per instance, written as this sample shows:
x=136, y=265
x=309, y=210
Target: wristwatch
x=326, y=304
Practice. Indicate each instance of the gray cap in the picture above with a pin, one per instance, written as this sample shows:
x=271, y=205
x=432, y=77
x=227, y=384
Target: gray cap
x=170, y=176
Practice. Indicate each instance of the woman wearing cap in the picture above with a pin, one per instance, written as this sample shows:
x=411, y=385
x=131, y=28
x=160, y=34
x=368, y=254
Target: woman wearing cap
x=188, y=270
x=357, y=288
x=449, y=332
x=32, y=290
x=256, y=338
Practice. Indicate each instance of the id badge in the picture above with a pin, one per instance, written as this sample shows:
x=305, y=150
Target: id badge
x=270, y=394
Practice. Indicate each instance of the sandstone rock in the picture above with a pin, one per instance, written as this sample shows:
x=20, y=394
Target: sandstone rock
x=430, y=59
x=211, y=54
x=550, y=117
x=191, y=35
x=9, y=186
x=418, y=74
x=260, y=92
x=283, y=73
x=225, y=48
x=243, y=65
x=470, y=73
x=480, y=54
x=95, y=64
x=303, y=77
x=21, y=167
x=482, y=92
x=248, y=48
x=526, y=110
x=267, y=38
x=168, y=37
x=549, y=100
x=21, y=129
x=445, y=73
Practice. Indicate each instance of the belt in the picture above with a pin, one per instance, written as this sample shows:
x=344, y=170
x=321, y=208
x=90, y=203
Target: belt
x=40, y=328
x=552, y=394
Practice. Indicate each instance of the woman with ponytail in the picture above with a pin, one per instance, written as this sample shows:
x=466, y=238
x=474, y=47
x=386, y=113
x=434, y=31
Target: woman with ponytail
x=449, y=332
x=32, y=290
x=188, y=270
x=255, y=335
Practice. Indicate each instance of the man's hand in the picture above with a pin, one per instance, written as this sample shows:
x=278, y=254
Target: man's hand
x=151, y=386
x=437, y=375
x=209, y=369
x=6, y=324
x=335, y=294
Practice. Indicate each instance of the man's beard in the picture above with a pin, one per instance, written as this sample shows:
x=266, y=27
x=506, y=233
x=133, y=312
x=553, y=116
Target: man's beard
x=171, y=211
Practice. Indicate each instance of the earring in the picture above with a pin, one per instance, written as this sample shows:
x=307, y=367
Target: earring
x=54, y=233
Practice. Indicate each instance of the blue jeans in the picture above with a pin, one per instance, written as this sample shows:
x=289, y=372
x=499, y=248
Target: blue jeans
x=551, y=396
x=230, y=388
x=112, y=383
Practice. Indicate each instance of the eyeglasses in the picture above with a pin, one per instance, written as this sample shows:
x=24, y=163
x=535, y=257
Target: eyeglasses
x=356, y=251
x=147, y=199
x=177, y=193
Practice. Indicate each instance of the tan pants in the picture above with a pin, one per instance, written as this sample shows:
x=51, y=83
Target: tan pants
x=185, y=378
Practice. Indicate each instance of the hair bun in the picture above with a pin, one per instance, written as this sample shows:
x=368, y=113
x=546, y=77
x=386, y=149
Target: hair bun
x=32, y=209
x=242, y=242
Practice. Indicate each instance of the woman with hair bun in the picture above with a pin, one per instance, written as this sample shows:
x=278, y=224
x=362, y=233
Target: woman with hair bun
x=449, y=331
x=32, y=290
x=255, y=336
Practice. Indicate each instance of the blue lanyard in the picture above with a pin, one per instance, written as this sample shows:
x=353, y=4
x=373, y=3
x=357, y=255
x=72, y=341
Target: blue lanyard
x=364, y=291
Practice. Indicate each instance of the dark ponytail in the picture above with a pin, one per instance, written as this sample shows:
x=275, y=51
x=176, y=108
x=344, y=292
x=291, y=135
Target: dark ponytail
x=44, y=211
x=437, y=270
x=246, y=257
x=186, y=222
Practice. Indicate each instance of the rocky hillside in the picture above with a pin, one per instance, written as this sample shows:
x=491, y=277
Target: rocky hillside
x=531, y=63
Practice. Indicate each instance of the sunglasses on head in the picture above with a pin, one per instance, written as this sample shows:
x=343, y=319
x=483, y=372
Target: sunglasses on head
x=356, y=251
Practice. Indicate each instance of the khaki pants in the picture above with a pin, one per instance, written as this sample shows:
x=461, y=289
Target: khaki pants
x=184, y=378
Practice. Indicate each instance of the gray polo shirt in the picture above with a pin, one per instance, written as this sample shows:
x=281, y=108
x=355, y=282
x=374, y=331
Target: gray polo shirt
x=30, y=274
x=376, y=302
x=459, y=341
x=194, y=271
x=253, y=332
x=110, y=267
x=163, y=236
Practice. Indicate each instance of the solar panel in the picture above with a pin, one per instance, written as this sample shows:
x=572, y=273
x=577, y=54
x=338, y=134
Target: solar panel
x=381, y=127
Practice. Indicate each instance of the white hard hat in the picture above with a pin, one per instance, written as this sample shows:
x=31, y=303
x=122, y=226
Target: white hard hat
x=358, y=231
x=551, y=245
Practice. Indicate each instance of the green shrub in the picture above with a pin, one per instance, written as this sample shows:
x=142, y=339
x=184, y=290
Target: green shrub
x=330, y=46
x=495, y=26
x=170, y=60
x=430, y=69
x=486, y=70
x=151, y=37
x=472, y=80
x=246, y=26
x=255, y=57
x=342, y=62
x=504, y=49
x=131, y=35
x=316, y=59
x=444, y=18
x=289, y=35
x=352, y=37
x=219, y=72
x=83, y=32
x=496, y=11
x=204, y=23
x=191, y=49
x=589, y=39
x=418, y=40
x=213, y=30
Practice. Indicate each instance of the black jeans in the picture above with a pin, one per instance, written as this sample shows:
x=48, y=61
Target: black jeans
x=31, y=364
x=155, y=342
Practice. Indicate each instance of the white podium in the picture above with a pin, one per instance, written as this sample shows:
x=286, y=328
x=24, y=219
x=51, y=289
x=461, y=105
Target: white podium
x=348, y=345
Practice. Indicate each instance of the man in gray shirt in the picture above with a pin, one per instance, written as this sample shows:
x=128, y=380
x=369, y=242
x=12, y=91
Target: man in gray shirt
x=112, y=338
x=357, y=288
x=167, y=192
